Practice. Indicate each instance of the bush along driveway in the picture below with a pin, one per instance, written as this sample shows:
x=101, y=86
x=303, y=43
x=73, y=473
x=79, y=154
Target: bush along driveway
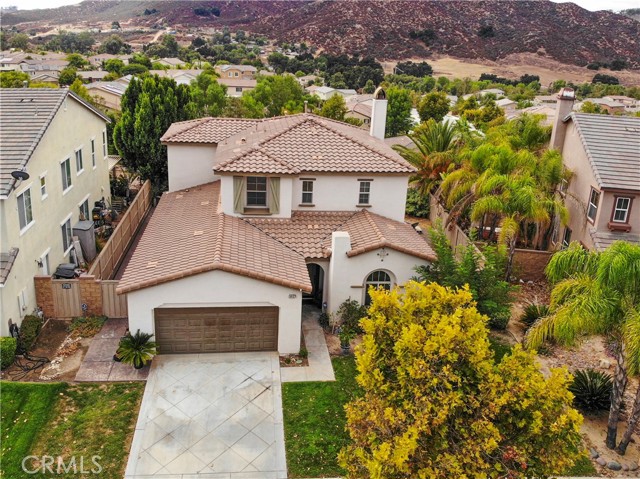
x=89, y=426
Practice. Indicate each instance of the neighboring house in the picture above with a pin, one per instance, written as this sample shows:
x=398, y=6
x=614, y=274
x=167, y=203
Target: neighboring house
x=11, y=61
x=550, y=99
x=610, y=106
x=40, y=68
x=46, y=78
x=545, y=110
x=246, y=72
x=509, y=106
x=326, y=92
x=172, y=62
x=93, y=76
x=99, y=59
x=181, y=77
x=631, y=105
x=603, y=153
x=237, y=86
x=109, y=94
x=304, y=80
x=361, y=109
x=259, y=214
x=59, y=140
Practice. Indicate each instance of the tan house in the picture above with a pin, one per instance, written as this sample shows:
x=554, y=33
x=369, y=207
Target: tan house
x=109, y=94
x=237, y=86
x=54, y=168
x=603, y=153
x=246, y=72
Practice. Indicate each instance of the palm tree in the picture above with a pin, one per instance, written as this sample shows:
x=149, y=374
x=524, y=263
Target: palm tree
x=433, y=154
x=598, y=293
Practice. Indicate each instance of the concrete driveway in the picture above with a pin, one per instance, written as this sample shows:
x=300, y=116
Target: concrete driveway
x=210, y=416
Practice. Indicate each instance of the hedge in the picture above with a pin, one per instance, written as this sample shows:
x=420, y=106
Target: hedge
x=29, y=330
x=7, y=351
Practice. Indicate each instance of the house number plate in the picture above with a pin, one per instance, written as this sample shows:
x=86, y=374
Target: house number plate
x=66, y=285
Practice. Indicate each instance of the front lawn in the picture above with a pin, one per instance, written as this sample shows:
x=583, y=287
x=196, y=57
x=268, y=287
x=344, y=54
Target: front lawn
x=314, y=421
x=68, y=420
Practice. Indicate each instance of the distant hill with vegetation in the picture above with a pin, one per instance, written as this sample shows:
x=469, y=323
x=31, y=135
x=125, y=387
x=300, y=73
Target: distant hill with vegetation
x=388, y=30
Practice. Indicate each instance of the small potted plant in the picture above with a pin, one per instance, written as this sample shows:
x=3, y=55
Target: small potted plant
x=346, y=335
x=136, y=349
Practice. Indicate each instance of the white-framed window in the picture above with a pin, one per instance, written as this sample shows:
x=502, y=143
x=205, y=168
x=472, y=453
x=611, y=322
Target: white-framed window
x=65, y=170
x=25, y=214
x=79, y=164
x=377, y=279
x=84, y=209
x=104, y=143
x=235, y=74
x=621, y=209
x=566, y=239
x=307, y=192
x=93, y=152
x=256, y=191
x=594, y=201
x=230, y=74
x=238, y=89
x=65, y=228
x=364, y=193
x=43, y=186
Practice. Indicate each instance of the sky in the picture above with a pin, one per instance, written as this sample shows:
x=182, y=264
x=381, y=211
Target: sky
x=592, y=5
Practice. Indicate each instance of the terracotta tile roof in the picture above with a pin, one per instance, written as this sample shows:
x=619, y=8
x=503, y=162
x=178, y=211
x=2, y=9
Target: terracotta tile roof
x=256, y=161
x=314, y=144
x=6, y=263
x=306, y=231
x=206, y=130
x=309, y=233
x=175, y=245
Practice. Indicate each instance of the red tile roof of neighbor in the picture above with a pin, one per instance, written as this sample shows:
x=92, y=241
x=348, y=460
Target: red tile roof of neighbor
x=298, y=143
x=175, y=245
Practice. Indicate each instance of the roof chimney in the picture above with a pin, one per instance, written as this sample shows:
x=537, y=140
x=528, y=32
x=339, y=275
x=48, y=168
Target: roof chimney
x=378, y=114
x=564, y=106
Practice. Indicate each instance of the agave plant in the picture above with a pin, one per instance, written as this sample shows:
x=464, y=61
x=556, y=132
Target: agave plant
x=591, y=390
x=136, y=349
x=533, y=312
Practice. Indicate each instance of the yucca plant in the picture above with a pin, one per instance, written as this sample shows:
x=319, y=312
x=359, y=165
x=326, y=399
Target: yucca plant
x=533, y=312
x=591, y=390
x=137, y=349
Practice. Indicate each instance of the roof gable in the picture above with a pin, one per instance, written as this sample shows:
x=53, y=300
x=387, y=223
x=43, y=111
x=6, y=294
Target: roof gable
x=612, y=144
x=25, y=115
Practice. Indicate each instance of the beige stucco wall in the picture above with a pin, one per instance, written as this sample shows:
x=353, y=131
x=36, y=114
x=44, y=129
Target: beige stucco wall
x=73, y=127
x=190, y=165
x=219, y=288
x=109, y=100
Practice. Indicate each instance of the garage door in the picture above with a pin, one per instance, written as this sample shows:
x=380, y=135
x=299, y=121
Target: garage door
x=216, y=330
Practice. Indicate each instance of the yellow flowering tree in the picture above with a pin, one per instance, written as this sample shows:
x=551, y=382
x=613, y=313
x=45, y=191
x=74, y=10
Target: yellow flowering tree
x=436, y=405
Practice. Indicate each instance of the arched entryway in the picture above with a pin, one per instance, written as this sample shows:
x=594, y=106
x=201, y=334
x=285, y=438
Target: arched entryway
x=378, y=279
x=316, y=275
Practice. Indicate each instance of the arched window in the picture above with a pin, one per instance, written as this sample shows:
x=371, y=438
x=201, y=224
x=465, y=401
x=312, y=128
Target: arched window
x=377, y=279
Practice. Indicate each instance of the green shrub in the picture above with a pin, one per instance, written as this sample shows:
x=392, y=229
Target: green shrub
x=350, y=313
x=7, y=352
x=87, y=326
x=29, y=330
x=137, y=349
x=485, y=278
x=533, y=312
x=591, y=390
x=304, y=353
x=417, y=205
x=324, y=321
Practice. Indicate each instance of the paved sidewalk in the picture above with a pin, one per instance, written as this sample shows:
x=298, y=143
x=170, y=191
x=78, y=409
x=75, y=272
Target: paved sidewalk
x=320, y=368
x=210, y=416
x=98, y=363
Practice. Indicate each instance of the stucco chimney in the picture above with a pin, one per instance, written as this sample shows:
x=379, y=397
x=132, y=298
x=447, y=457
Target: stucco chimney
x=378, y=114
x=564, y=106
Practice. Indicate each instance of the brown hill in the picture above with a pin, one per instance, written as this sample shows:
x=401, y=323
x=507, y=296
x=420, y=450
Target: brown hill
x=564, y=32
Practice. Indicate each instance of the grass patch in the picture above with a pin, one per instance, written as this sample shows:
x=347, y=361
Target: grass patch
x=314, y=421
x=26, y=410
x=81, y=420
x=583, y=467
x=499, y=348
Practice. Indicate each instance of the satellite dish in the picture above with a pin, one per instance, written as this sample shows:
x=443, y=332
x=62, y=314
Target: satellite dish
x=20, y=175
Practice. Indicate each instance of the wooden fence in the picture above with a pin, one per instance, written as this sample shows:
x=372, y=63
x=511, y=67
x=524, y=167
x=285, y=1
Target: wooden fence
x=107, y=261
x=113, y=305
x=528, y=264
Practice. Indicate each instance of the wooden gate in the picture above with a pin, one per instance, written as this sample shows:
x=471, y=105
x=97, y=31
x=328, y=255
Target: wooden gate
x=113, y=305
x=66, y=298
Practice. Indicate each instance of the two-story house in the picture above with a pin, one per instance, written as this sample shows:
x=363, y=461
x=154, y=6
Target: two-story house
x=260, y=214
x=603, y=153
x=53, y=167
x=244, y=72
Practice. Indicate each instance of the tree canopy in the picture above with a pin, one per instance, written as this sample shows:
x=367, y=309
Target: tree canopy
x=436, y=404
x=399, y=120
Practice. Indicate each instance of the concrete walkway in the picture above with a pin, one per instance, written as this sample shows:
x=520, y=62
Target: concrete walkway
x=320, y=368
x=98, y=363
x=210, y=416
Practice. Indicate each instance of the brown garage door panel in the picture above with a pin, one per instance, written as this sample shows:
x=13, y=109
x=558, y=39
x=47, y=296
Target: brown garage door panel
x=216, y=330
